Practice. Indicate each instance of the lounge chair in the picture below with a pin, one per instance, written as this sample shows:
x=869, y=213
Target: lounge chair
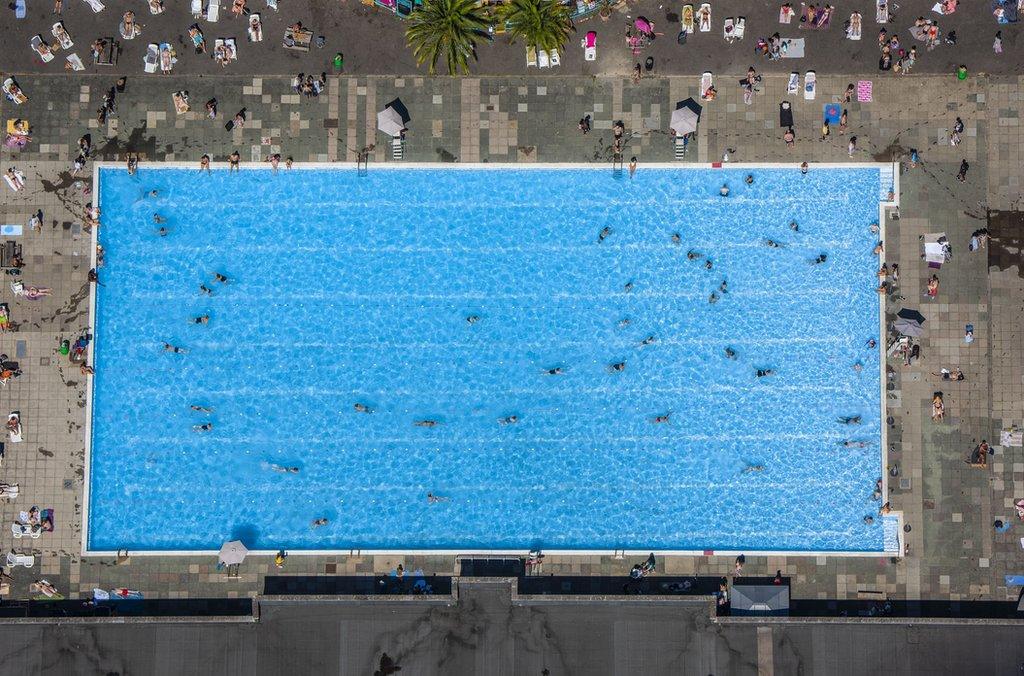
x=9, y=491
x=19, y=9
x=794, y=83
x=882, y=12
x=198, y=41
x=41, y=48
x=255, y=28
x=298, y=39
x=589, y=45
x=62, y=35
x=197, y=9
x=687, y=18
x=272, y=4
x=152, y=59
x=16, y=432
x=95, y=5
x=13, y=91
x=542, y=59
x=108, y=57
x=556, y=60
x=14, y=560
x=213, y=11
x=853, y=31
x=17, y=183
x=704, y=18
x=729, y=29
x=167, y=59
x=786, y=114
x=741, y=27
x=786, y=14
x=20, y=530
x=531, y=56
x=707, y=82
x=810, y=85
x=180, y=102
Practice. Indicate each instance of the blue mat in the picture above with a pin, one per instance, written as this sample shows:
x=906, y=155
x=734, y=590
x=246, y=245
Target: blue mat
x=832, y=111
x=1015, y=580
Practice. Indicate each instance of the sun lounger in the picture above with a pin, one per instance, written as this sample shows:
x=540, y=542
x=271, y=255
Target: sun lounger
x=197, y=9
x=853, y=32
x=180, y=102
x=213, y=11
x=729, y=29
x=707, y=82
x=20, y=530
x=108, y=57
x=741, y=27
x=156, y=7
x=687, y=18
x=167, y=59
x=542, y=59
x=810, y=85
x=19, y=9
x=882, y=12
x=16, y=432
x=198, y=41
x=75, y=61
x=704, y=18
x=794, y=83
x=62, y=36
x=9, y=491
x=25, y=560
x=272, y=4
x=531, y=56
x=17, y=183
x=589, y=44
x=41, y=48
x=786, y=14
x=556, y=60
x=95, y=5
x=255, y=28
x=152, y=59
x=298, y=39
x=13, y=91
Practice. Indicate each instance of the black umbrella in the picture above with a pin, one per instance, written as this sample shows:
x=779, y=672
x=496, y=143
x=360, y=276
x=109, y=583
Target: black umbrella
x=912, y=315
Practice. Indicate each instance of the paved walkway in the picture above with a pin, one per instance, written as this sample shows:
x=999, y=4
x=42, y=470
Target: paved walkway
x=948, y=506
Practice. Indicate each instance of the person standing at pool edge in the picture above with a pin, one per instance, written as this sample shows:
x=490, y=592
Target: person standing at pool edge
x=632, y=166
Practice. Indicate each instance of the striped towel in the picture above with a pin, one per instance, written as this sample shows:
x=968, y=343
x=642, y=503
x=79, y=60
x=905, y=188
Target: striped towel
x=864, y=91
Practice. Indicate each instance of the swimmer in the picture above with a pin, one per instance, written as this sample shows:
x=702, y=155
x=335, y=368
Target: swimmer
x=708, y=264
x=605, y=232
x=508, y=420
x=853, y=444
x=172, y=348
x=425, y=423
x=869, y=520
x=647, y=341
x=849, y=420
x=204, y=290
x=283, y=470
x=820, y=259
x=201, y=319
x=158, y=219
x=871, y=343
x=713, y=298
x=724, y=286
x=617, y=367
x=472, y=319
x=623, y=323
x=658, y=420
x=201, y=409
x=319, y=522
x=163, y=232
x=676, y=239
x=794, y=227
x=749, y=180
x=761, y=373
x=152, y=193
x=362, y=408
x=753, y=468
x=217, y=277
x=772, y=243
x=557, y=371
x=858, y=367
x=692, y=255
x=628, y=286
x=205, y=427
x=204, y=163
x=724, y=191
x=432, y=499
x=730, y=353
x=803, y=168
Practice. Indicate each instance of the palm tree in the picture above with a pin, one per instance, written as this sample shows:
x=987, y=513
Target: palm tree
x=448, y=30
x=544, y=24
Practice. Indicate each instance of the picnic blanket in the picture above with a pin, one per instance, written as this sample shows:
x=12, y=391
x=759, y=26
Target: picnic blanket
x=792, y=48
x=864, y=91
x=1011, y=438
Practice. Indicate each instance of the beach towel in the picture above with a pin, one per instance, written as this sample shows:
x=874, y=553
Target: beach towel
x=75, y=61
x=704, y=18
x=786, y=14
x=831, y=112
x=1011, y=438
x=794, y=83
x=46, y=520
x=792, y=48
x=786, y=114
x=864, y=91
x=810, y=85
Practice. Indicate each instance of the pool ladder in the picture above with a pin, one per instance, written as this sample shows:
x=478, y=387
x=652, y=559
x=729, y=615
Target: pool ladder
x=617, y=165
x=363, y=163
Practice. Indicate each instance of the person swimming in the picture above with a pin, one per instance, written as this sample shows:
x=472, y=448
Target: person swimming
x=713, y=298
x=173, y=348
x=220, y=278
x=201, y=319
x=772, y=243
x=163, y=232
x=730, y=353
x=158, y=219
x=658, y=420
x=205, y=427
x=853, y=444
x=871, y=343
x=623, y=323
x=508, y=420
x=603, y=235
x=692, y=255
x=794, y=227
x=557, y=371
x=724, y=191
x=753, y=468
x=285, y=470
x=647, y=341
x=676, y=239
x=203, y=289
x=849, y=420
x=628, y=286
x=425, y=423
x=472, y=319
x=322, y=521
x=362, y=408
x=761, y=373
x=617, y=367
x=433, y=499
x=820, y=259
x=749, y=180
x=708, y=264
x=724, y=286
x=201, y=409
x=858, y=367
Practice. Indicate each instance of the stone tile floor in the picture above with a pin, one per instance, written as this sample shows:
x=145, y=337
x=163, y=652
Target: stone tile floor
x=953, y=552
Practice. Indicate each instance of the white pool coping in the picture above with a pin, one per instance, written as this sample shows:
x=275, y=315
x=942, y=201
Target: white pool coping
x=618, y=553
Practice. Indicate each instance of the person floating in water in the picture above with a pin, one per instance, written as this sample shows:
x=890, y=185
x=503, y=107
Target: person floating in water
x=761, y=373
x=708, y=264
x=692, y=255
x=713, y=298
x=201, y=409
x=205, y=290
x=730, y=353
x=820, y=259
x=217, y=277
x=508, y=420
x=617, y=367
x=772, y=243
x=628, y=286
x=322, y=521
x=676, y=239
x=871, y=343
x=362, y=408
x=556, y=371
x=849, y=420
x=753, y=468
x=158, y=219
x=425, y=423
x=661, y=419
x=285, y=470
x=794, y=227
x=724, y=191
x=472, y=319
x=724, y=286
x=858, y=367
x=173, y=348
x=205, y=427
x=432, y=499
x=163, y=232
x=853, y=444
x=201, y=319
x=605, y=232
x=647, y=341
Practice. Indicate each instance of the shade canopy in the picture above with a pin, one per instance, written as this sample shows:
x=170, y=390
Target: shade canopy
x=760, y=599
x=233, y=552
x=685, y=117
x=390, y=121
x=908, y=327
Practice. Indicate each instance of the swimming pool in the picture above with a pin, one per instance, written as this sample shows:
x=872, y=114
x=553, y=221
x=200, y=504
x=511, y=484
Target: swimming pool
x=346, y=289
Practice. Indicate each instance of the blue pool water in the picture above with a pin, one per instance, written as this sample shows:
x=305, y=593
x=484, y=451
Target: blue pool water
x=348, y=289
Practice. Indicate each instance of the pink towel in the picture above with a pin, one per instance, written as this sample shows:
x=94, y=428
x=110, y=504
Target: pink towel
x=864, y=91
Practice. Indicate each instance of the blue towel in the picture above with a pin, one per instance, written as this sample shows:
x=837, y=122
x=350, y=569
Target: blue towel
x=1015, y=580
x=832, y=113
x=19, y=9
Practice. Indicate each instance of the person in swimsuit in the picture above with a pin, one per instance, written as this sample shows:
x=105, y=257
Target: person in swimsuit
x=201, y=409
x=605, y=232
x=730, y=353
x=658, y=420
x=557, y=371
x=203, y=289
x=425, y=423
x=172, y=348
x=362, y=408
x=508, y=420
x=849, y=420
x=761, y=373
x=201, y=319
x=205, y=427
x=617, y=367
x=217, y=277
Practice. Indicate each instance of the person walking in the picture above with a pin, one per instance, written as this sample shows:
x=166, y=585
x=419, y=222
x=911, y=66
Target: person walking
x=852, y=146
x=997, y=44
x=962, y=176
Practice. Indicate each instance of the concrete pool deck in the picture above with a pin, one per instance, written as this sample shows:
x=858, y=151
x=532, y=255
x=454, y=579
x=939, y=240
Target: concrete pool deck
x=953, y=553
